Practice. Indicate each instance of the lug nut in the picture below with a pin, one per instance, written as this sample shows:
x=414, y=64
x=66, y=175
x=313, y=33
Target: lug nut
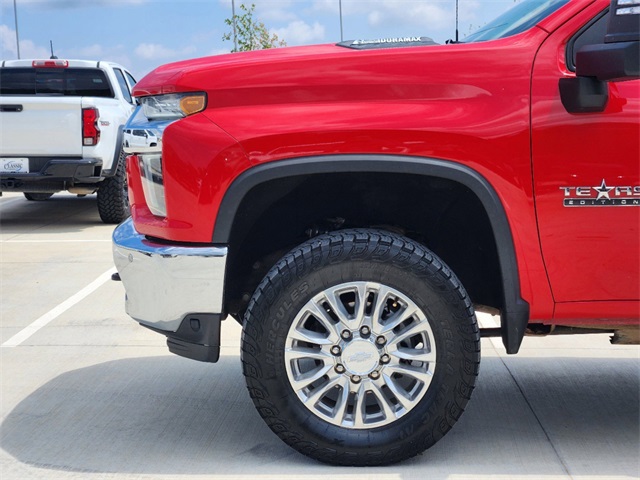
x=346, y=334
x=336, y=350
x=381, y=340
x=385, y=358
x=356, y=378
x=365, y=331
x=340, y=368
x=374, y=375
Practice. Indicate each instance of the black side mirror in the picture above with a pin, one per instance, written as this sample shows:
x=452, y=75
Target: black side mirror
x=616, y=60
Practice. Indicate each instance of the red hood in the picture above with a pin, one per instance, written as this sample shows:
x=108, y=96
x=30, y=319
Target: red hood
x=332, y=72
x=170, y=78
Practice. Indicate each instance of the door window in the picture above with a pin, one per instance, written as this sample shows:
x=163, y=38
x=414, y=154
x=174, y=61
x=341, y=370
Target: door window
x=123, y=85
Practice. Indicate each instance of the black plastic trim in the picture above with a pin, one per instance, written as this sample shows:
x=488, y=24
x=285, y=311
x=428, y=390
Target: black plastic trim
x=569, y=52
x=583, y=94
x=609, y=61
x=11, y=108
x=59, y=169
x=515, y=313
x=116, y=154
x=197, y=338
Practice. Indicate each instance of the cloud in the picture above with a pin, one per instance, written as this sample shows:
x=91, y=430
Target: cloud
x=155, y=51
x=331, y=6
x=28, y=49
x=299, y=32
x=434, y=18
x=93, y=51
x=434, y=15
x=111, y=53
x=278, y=11
x=375, y=18
x=278, y=15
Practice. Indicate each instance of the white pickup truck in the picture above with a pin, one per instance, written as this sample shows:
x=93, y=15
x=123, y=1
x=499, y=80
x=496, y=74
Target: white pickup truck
x=61, y=128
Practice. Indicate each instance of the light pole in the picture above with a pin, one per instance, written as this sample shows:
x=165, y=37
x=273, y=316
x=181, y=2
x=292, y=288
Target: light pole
x=15, y=14
x=457, y=37
x=340, y=6
x=233, y=19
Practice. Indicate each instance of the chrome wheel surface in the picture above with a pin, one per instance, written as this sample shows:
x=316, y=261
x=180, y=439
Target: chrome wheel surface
x=360, y=355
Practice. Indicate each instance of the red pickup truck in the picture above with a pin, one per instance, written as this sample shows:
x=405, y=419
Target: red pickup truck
x=354, y=205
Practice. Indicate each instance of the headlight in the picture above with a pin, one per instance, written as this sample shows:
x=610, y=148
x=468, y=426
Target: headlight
x=174, y=105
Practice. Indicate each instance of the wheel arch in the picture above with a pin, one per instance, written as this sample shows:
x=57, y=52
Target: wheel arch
x=515, y=311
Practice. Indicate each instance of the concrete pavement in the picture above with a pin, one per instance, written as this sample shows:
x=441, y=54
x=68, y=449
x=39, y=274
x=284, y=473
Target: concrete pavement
x=92, y=395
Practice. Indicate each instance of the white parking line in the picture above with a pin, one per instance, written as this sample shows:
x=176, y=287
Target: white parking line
x=51, y=315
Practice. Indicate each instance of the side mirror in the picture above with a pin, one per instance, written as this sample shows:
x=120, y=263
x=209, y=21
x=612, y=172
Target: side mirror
x=615, y=60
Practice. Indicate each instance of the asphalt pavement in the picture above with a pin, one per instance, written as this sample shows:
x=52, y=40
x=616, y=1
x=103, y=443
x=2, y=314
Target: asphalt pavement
x=86, y=393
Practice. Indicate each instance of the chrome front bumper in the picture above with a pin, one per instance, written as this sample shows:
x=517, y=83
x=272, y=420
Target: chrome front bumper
x=165, y=283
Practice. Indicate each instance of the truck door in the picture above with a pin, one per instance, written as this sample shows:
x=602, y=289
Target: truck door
x=587, y=180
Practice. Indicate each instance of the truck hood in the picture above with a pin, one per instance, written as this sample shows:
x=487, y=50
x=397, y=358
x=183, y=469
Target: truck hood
x=383, y=70
x=328, y=72
x=178, y=76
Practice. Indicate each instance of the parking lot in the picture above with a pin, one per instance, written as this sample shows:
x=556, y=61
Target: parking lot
x=87, y=393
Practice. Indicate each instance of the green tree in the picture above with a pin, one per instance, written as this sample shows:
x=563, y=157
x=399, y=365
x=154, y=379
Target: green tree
x=251, y=34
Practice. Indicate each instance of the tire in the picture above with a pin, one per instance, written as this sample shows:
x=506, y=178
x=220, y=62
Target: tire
x=37, y=197
x=349, y=395
x=113, y=197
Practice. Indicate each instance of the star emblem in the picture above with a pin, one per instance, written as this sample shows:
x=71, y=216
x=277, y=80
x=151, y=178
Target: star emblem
x=603, y=190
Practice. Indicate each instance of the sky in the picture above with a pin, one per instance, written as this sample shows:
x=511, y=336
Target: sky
x=143, y=34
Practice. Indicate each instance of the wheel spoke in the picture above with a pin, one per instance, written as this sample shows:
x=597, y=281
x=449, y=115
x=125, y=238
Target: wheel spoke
x=399, y=392
x=321, y=315
x=418, y=355
x=400, y=317
x=380, y=300
x=419, y=374
x=308, y=336
x=340, y=409
x=359, y=408
x=332, y=298
x=362, y=290
x=320, y=392
x=406, y=334
x=303, y=380
x=382, y=400
x=300, y=353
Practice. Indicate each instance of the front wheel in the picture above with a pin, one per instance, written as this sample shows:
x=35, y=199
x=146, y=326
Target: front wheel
x=360, y=347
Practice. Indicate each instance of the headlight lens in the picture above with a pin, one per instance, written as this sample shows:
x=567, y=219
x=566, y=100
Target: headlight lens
x=174, y=105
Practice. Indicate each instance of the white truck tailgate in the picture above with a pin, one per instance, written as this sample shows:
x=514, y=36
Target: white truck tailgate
x=42, y=125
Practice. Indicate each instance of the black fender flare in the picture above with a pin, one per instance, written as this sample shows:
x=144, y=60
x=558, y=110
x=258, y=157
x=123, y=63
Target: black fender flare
x=515, y=313
x=116, y=153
